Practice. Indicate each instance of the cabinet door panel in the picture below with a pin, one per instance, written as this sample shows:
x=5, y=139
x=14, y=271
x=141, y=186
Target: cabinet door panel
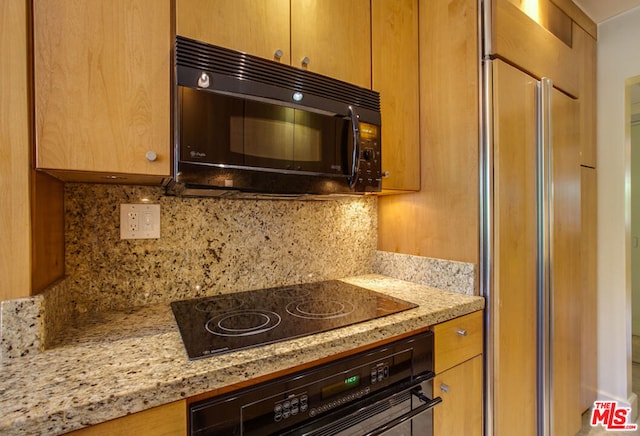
x=514, y=299
x=394, y=39
x=257, y=27
x=566, y=286
x=336, y=37
x=589, y=307
x=102, y=85
x=460, y=388
x=527, y=44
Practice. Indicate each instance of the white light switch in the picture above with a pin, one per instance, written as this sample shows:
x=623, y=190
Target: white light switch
x=139, y=221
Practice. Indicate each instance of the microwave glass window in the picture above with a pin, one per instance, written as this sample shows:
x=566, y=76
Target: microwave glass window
x=205, y=130
x=268, y=135
x=317, y=142
x=221, y=129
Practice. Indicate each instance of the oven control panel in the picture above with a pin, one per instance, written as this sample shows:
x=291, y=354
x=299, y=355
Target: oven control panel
x=342, y=388
x=291, y=406
x=379, y=373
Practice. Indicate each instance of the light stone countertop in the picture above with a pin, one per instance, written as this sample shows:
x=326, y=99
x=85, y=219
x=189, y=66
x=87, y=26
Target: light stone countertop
x=118, y=363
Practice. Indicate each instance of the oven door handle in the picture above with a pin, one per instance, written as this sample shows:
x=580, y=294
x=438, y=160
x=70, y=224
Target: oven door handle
x=429, y=404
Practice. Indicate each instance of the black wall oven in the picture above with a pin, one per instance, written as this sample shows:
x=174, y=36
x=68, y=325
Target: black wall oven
x=382, y=391
x=249, y=124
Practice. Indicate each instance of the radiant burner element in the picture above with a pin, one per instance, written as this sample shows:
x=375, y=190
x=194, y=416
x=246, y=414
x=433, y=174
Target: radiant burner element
x=223, y=323
x=245, y=323
x=320, y=309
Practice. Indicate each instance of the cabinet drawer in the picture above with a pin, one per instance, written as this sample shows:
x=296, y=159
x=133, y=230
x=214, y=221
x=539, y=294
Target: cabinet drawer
x=457, y=340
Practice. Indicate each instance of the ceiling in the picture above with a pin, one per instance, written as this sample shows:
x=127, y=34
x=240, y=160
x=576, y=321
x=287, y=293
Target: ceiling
x=601, y=10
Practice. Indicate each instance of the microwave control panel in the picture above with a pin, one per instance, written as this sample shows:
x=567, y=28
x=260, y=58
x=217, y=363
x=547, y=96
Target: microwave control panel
x=370, y=168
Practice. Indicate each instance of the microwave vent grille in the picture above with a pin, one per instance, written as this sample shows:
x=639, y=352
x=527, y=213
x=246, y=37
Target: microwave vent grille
x=242, y=66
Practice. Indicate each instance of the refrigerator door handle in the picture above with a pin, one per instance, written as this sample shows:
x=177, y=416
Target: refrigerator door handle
x=545, y=254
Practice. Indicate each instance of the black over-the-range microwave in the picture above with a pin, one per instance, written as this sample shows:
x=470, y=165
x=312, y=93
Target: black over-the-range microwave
x=249, y=125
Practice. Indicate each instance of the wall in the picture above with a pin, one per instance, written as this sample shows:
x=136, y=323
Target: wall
x=208, y=246
x=617, y=45
x=635, y=226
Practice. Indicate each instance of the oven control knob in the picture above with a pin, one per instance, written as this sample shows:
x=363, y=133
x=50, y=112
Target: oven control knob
x=313, y=412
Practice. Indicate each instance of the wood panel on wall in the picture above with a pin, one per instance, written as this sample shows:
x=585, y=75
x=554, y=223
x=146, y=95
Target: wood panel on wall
x=441, y=220
x=589, y=310
x=15, y=151
x=47, y=220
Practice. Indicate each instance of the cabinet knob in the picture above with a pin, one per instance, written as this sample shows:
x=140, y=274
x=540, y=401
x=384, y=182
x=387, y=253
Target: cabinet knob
x=305, y=61
x=151, y=155
x=278, y=54
x=444, y=388
x=385, y=174
x=462, y=332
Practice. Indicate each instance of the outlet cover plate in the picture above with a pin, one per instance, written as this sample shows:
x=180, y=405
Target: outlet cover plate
x=139, y=221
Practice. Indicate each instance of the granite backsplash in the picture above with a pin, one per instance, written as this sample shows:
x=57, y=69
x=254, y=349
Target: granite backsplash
x=208, y=245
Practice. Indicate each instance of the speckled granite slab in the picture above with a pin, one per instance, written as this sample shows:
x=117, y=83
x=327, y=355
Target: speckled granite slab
x=208, y=245
x=439, y=273
x=21, y=327
x=124, y=362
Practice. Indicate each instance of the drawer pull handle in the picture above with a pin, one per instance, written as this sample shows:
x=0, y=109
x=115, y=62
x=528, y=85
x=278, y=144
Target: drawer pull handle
x=444, y=388
x=462, y=332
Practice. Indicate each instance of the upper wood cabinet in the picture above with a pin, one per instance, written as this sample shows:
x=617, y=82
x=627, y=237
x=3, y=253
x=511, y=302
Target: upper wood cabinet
x=585, y=44
x=395, y=58
x=329, y=37
x=102, y=89
x=257, y=27
x=335, y=36
x=527, y=44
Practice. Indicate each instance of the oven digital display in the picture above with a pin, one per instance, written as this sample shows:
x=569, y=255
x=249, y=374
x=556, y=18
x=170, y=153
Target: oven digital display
x=336, y=388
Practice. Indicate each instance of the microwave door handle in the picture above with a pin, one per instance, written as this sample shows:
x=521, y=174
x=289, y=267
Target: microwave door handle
x=429, y=404
x=355, y=166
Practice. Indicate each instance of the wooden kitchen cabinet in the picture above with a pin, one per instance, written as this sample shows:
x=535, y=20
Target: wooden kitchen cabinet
x=458, y=367
x=585, y=44
x=257, y=27
x=166, y=420
x=15, y=184
x=102, y=89
x=589, y=310
x=457, y=340
x=525, y=43
x=441, y=221
x=32, y=240
x=460, y=388
x=395, y=74
x=333, y=35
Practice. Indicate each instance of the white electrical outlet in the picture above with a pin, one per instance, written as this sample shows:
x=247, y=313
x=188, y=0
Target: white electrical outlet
x=139, y=221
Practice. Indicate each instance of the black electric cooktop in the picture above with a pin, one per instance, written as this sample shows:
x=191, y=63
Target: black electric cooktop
x=211, y=326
